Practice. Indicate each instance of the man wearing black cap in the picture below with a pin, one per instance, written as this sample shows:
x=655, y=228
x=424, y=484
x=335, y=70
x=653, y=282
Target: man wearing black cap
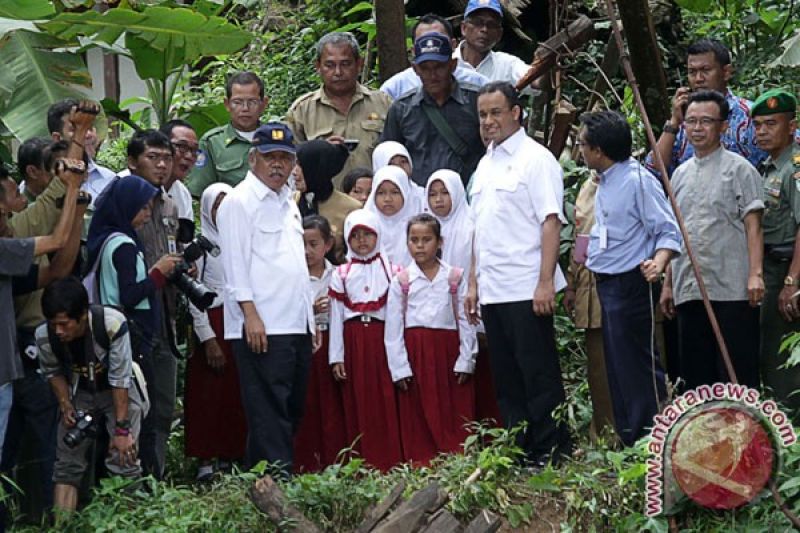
x=773, y=115
x=437, y=123
x=268, y=308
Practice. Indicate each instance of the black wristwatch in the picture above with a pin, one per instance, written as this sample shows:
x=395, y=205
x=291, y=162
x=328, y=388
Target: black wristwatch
x=84, y=198
x=123, y=424
x=669, y=128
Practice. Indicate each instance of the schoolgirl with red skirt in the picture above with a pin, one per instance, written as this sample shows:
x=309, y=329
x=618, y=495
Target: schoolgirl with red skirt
x=358, y=295
x=431, y=348
x=321, y=434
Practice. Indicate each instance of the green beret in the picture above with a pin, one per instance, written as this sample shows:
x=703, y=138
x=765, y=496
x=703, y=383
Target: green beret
x=774, y=101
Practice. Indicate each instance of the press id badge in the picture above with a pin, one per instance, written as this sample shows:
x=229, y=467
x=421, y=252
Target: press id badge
x=603, y=236
x=172, y=245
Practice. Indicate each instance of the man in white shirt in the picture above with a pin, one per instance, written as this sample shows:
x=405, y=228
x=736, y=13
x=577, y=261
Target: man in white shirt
x=482, y=29
x=517, y=196
x=268, y=308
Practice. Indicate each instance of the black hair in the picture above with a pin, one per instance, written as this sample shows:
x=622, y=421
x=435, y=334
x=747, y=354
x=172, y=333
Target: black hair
x=55, y=151
x=704, y=46
x=57, y=112
x=507, y=90
x=433, y=18
x=610, y=132
x=66, y=295
x=353, y=176
x=31, y=152
x=426, y=219
x=167, y=127
x=143, y=139
x=711, y=96
x=243, y=78
x=320, y=223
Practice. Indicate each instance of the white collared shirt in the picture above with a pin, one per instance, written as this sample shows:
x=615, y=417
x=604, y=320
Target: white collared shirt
x=430, y=305
x=497, y=66
x=516, y=186
x=263, y=255
x=183, y=200
x=97, y=179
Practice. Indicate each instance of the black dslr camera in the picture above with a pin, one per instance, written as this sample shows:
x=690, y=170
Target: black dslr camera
x=85, y=426
x=200, y=295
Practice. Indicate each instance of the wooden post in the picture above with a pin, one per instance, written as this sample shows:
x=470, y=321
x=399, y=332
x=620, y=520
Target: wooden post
x=390, y=19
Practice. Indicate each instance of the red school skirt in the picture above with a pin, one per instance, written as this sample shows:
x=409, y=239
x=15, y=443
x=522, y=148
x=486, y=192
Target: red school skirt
x=368, y=394
x=321, y=434
x=435, y=409
x=215, y=423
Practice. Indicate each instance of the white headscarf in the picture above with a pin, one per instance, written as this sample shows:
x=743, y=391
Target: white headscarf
x=381, y=157
x=367, y=276
x=458, y=227
x=211, y=269
x=393, y=228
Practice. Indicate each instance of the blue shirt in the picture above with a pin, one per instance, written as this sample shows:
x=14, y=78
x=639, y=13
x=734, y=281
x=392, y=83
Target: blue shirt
x=407, y=80
x=632, y=211
x=739, y=138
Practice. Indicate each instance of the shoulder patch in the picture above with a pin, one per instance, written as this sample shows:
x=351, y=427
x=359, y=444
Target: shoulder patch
x=201, y=159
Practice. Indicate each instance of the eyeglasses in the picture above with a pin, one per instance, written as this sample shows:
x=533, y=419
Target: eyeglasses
x=703, y=121
x=186, y=148
x=247, y=104
x=489, y=24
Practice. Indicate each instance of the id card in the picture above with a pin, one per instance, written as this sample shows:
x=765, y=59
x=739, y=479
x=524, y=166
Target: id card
x=603, y=235
x=172, y=245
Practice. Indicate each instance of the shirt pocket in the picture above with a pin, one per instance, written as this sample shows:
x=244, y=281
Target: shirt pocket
x=321, y=131
x=509, y=183
x=231, y=166
x=372, y=131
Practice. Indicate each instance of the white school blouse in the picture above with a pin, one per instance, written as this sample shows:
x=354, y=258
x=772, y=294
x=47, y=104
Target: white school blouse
x=429, y=306
x=263, y=256
x=517, y=184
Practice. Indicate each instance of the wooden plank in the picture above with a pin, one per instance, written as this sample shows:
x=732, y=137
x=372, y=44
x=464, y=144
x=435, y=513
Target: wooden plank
x=443, y=522
x=485, y=522
x=379, y=511
x=270, y=500
x=412, y=513
x=562, y=125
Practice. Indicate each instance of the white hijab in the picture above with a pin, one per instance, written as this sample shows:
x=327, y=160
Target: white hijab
x=458, y=227
x=211, y=269
x=367, y=276
x=393, y=228
x=381, y=157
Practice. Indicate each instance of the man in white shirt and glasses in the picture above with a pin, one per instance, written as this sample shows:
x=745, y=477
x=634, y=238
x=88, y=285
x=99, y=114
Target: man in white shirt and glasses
x=268, y=308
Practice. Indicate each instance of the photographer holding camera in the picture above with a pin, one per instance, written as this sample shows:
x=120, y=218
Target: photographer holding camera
x=85, y=353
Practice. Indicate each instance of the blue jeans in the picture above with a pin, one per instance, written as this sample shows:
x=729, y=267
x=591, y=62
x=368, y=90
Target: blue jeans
x=6, y=397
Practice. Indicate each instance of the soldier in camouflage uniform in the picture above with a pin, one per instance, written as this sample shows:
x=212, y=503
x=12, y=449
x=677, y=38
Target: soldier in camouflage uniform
x=775, y=124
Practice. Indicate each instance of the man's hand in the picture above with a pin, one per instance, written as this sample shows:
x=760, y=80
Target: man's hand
x=569, y=300
x=651, y=270
x=322, y=305
x=71, y=171
x=126, y=449
x=316, y=342
x=335, y=139
x=755, y=289
x=255, y=333
x=403, y=384
x=471, y=305
x=679, y=102
x=338, y=372
x=214, y=356
x=667, y=303
x=68, y=413
x=787, y=305
x=544, y=298
x=462, y=377
x=84, y=114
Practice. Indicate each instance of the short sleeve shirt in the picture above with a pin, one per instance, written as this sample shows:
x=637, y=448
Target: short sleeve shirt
x=16, y=258
x=222, y=158
x=313, y=116
x=781, y=197
x=715, y=193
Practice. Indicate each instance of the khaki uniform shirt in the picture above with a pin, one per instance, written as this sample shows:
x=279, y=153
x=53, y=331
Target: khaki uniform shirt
x=313, y=116
x=223, y=158
x=782, y=196
x=158, y=237
x=715, y=193
x=39, y=218
x=587, y=302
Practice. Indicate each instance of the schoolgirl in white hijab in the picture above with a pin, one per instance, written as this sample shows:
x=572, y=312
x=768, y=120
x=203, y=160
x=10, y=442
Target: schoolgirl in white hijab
x=393, y=225
x=383, y=155
x=458, y=224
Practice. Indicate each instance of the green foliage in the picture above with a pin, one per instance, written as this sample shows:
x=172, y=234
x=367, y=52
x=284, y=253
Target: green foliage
x=26, y=9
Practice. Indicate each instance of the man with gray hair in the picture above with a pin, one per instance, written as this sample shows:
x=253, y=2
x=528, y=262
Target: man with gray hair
x=342, y=108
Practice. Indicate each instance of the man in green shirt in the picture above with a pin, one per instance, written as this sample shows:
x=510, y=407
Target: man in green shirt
x=223, y=150
x=775, y=124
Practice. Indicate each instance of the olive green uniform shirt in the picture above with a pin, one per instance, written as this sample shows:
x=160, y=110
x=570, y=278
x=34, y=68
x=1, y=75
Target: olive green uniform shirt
x=222, y=158
x=313, y=116
x=781, y=197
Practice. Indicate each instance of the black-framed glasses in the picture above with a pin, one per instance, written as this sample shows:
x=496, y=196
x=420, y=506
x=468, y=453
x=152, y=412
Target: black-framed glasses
x=703, y=121
x=186, y=148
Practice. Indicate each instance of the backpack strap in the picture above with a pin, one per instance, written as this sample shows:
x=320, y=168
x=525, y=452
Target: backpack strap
x=405, y=287
x=99, y=331
x=454, y=280
x=91, y=279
